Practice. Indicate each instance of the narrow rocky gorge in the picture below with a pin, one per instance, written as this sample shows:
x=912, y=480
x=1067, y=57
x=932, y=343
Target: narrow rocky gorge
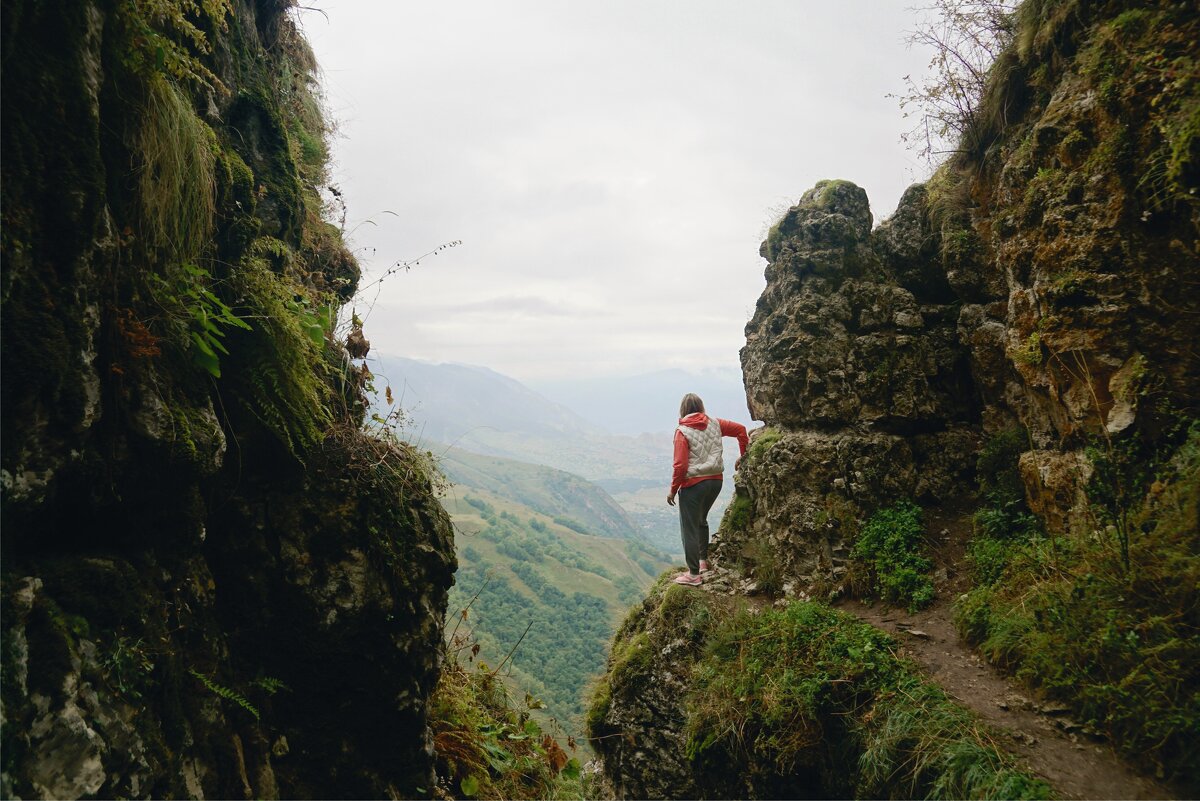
x=217, y=583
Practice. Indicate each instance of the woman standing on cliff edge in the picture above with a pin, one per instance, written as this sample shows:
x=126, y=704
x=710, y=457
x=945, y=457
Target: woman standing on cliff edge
x=697, y=478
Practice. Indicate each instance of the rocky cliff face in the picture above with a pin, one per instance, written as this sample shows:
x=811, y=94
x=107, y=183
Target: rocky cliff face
x=1043, y=282
x=214, y=584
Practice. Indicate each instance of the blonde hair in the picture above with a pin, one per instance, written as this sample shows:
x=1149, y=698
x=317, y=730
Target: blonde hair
x=690, y=404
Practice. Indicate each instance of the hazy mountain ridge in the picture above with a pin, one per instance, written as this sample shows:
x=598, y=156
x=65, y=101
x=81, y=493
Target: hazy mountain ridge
x=523, y=432
x=649, y=402
x=479, y=410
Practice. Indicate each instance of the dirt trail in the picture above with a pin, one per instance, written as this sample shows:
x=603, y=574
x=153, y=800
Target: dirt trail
x=1075, y=763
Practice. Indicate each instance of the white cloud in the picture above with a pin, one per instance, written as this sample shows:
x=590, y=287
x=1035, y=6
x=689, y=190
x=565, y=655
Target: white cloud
x=610, y=168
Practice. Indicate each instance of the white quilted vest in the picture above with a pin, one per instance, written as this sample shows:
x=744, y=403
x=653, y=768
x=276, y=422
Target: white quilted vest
x=704, y=449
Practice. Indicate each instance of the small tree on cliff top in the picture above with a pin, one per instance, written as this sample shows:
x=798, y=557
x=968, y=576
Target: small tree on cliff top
x=965, y=36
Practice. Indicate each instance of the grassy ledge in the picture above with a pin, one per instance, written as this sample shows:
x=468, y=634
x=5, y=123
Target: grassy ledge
x=796, y=702
x=806, y=691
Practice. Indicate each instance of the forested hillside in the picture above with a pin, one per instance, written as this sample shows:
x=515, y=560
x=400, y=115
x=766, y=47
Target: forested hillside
x=541, y=581
x=572, y=501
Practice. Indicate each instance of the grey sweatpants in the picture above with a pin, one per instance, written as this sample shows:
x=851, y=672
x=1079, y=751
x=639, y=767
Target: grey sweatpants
x=694, y=504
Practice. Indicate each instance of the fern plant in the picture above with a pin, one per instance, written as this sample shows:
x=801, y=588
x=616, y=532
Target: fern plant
x=226, y=693
x=169, y=39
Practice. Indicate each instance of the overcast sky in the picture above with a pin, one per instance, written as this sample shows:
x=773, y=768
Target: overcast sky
x=609, y=167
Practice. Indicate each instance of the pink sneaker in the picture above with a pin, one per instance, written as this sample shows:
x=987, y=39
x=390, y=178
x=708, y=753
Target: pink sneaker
x=688, y=579
x=704, y=568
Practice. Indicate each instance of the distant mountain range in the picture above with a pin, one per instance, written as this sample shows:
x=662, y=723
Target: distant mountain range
x=450, y=401
x=649, y=402
x=482, y=411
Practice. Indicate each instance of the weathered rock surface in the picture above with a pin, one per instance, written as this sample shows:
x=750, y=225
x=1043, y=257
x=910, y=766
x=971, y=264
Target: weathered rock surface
x=867, y=392
x=214, y=585
x=637, y=720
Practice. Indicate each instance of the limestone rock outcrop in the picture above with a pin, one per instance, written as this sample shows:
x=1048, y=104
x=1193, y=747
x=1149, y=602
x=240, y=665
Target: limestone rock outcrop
x=1045, y=282
x=854, y=362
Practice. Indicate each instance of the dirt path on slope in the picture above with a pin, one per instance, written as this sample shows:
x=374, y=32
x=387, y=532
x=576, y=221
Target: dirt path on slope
x=1074, y=762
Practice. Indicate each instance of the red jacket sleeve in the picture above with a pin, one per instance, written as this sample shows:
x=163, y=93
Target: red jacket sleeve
x=679, y=470
x=732, y=429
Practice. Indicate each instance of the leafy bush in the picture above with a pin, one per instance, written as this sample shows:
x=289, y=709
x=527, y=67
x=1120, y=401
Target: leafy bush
x=1004, y=521
x=1118, y=644
x=890, y=545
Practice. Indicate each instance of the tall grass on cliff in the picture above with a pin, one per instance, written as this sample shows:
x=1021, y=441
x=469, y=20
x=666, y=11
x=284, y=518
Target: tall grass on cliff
x=1119, y=645
x=177, y=181
x=805, y=688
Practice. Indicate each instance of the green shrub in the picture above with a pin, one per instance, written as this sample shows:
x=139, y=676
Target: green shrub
x=988, y=558
x=890, y=546
x=1004, y=521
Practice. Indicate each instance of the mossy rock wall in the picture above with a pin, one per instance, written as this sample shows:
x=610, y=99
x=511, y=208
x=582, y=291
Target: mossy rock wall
x=1044, y=278
x=1086, y=205
x=215, y=585
x=854, y=361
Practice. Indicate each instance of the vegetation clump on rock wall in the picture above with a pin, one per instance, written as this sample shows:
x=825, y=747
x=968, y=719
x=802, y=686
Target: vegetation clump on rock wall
x=216, y=583
x=492, y=747
x=1117, y=642
x=1084, y=197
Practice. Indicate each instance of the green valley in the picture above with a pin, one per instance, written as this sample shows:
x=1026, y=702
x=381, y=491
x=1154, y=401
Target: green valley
x=542, y=594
